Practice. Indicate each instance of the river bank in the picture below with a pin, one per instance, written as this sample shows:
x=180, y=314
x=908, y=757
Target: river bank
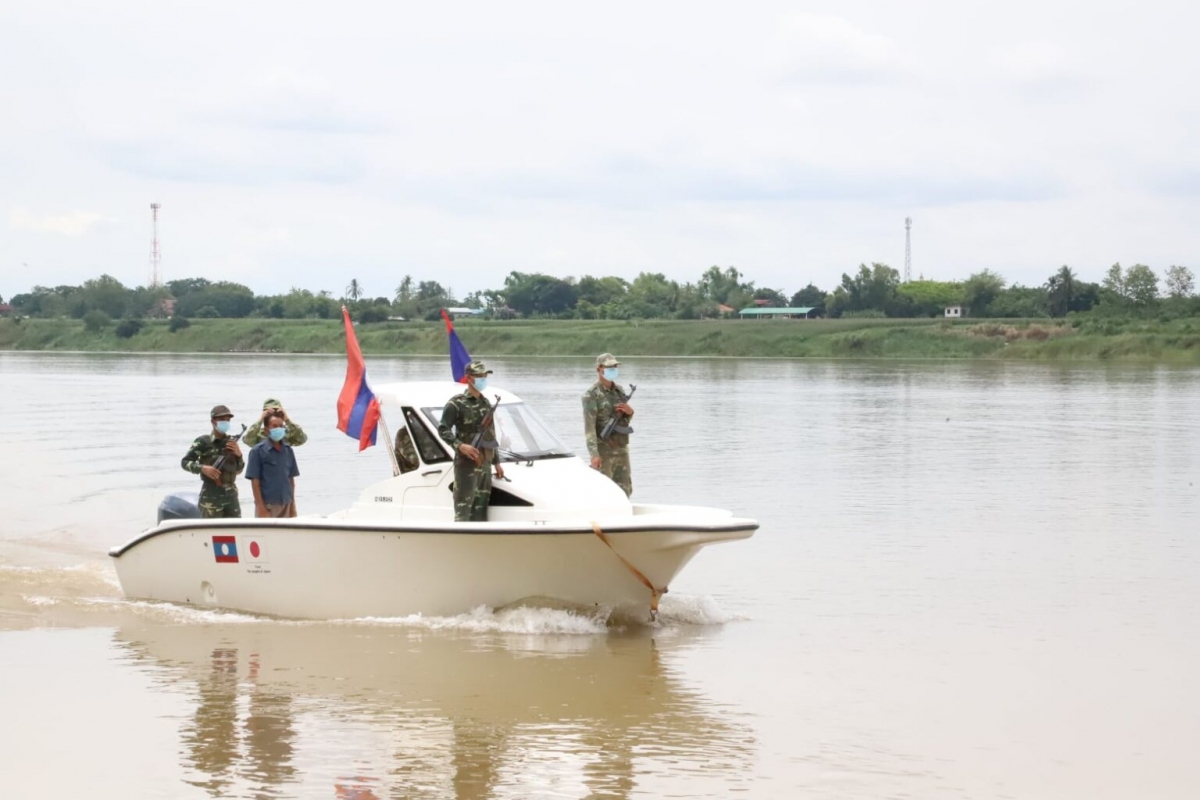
x=1167, y=342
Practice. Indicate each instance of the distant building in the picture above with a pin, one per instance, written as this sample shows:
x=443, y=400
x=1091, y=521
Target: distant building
x=954, y=312
x=5, y=309
x=806, y=312
x=724, y=309
x=462, y=311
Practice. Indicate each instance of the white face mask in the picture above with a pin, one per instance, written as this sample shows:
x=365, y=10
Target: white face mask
x=481, y=384
x=223, y=426
x=610, y=373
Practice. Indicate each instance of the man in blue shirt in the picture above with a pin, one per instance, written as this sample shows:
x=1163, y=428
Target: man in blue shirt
x=272, y=472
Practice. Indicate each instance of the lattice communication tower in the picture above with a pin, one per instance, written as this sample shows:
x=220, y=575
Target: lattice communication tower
x=155, y=277
x=907, y=249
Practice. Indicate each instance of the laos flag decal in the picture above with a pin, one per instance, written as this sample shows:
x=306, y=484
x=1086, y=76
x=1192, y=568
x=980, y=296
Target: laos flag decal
x=225, y=549
x=357, y=406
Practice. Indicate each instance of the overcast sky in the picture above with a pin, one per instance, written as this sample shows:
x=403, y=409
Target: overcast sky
x=307, y=144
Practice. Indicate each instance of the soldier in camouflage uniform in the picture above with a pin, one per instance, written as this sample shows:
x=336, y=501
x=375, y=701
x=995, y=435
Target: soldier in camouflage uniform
x=600, y=403
x=255, y=433
x=462, y=418
x=218, y=489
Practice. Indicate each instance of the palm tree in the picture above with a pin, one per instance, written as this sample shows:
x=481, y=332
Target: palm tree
x=1060, y=291
x=354, y=291
x=404, y=291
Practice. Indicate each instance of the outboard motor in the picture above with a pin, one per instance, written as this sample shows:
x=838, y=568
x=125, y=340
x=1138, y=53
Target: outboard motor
x=181, y=505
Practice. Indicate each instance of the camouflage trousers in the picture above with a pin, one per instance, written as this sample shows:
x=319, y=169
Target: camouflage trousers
x=614, y=462
x=472, y=490
x=221, y=502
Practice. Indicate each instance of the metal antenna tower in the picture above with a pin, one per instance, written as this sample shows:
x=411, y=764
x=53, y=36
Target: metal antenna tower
x=907, y=249
x=155, y=278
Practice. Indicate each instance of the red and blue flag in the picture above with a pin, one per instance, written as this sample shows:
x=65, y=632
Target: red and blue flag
x=225, y=549
x=357, y=406
x=459, y=357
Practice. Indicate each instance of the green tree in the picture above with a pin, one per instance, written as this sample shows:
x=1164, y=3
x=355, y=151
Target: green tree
x=725, y=286
x=928, y=298
x=354, y=291
x=873, y=288
x=1141, y=285
x=1114, y=280
x=776, y=298
x=128, y=328
x=598, y=291
x=106, y=294
x=808, y=297
x=1180, y=282
x=95, y=321
x=980, y=289
x=534, y=294
x=1060, y=292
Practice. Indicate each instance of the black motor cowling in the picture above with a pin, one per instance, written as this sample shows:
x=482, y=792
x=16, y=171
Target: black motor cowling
x=181, y=505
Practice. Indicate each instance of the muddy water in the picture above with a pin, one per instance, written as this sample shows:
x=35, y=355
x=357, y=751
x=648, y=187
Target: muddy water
x=972, y=580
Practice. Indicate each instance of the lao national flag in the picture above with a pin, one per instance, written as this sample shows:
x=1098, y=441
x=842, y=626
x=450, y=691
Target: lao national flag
x=225, y=549
x=357, y=406
x=459, y=357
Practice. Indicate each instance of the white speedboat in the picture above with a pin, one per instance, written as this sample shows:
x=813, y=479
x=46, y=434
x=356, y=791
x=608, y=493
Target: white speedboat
x=558, y=532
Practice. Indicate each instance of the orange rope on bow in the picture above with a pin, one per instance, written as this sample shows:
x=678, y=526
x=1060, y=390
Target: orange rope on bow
x=637, y=573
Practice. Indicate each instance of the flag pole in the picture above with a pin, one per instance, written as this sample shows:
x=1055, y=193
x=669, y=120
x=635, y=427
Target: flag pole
x=387, y=440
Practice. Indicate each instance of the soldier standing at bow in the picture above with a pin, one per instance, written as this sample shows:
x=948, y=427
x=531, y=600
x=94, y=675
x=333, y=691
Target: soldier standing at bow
x=604, y=400
x=467, y=417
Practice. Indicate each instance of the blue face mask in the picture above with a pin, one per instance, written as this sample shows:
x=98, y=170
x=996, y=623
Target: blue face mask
x=610, y=373
x=223, y=426
x=481, y=384
x=277, y=434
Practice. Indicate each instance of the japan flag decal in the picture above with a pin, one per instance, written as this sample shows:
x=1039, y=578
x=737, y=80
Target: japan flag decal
x=253, y=549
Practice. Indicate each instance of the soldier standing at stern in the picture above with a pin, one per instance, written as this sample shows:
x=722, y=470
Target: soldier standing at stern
x=463, y=419
x=218, y=489
x=600, y=403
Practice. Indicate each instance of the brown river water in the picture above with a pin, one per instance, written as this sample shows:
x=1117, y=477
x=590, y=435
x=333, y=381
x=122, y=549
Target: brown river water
x=972, y=580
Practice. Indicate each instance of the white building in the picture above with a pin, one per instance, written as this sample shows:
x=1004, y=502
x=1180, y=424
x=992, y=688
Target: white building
x=954, y=312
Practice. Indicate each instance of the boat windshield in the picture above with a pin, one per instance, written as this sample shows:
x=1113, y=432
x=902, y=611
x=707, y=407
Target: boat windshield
x=520, y=432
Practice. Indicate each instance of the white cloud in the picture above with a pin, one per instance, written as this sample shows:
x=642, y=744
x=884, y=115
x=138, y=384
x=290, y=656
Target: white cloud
x=75, y=223
x=824, y=47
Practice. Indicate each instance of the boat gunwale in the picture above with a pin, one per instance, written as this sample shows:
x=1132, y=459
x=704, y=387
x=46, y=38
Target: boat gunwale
x=734, y=525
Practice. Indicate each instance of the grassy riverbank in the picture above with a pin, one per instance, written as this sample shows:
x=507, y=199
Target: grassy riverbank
x=1172, y=342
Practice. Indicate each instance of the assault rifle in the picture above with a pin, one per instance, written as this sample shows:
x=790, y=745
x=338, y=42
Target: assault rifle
x=619, y=422
x=220, y=462
x=478, y=439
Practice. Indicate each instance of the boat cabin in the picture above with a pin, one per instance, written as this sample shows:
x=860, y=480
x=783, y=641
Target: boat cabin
x=545, y=482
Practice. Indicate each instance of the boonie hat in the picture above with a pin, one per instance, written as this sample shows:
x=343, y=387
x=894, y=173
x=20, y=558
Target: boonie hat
x=476, y=369
x=607, y=360
x=220, y=411
x=271, y=402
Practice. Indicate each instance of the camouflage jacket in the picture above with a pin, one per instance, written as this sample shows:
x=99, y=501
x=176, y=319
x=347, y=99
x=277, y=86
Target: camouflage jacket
x=461, y=420
x=599, y=406
x=295, y=435
x=204, y=452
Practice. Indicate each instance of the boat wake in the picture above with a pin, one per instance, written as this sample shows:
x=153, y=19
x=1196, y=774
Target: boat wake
x=89, y=594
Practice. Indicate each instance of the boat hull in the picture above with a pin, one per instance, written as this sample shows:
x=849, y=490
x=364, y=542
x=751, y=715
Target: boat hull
x=331, y=569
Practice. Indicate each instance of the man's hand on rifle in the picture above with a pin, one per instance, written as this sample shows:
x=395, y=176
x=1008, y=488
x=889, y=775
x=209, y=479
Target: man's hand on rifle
x=232, y=448
x=211, y=472
x=499, y=471
x=470, y=452
x=623, y=408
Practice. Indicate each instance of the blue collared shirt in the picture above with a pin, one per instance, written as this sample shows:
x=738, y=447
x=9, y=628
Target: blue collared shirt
x=274, y=470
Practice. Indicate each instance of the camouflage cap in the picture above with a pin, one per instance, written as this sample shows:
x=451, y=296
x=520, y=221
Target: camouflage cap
x=607, y=360
x=271, y=402
x=220, y=411
x=476, y=369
